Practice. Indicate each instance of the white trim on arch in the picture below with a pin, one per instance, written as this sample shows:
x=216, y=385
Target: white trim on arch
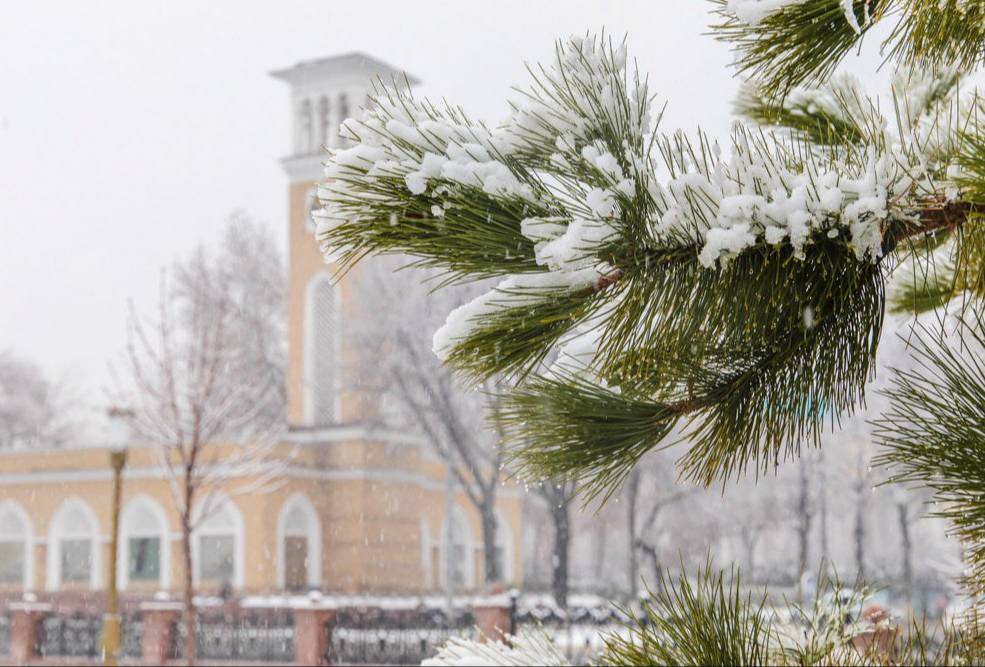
x=310, y=351
x=11, y=508
x=162, y=531
x=57, y=533
x=312, y=533
x=468, y=551
x=220, y=504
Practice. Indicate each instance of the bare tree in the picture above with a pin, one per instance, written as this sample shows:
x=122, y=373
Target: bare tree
x=558, y=495
x=396, y=362
x=203, y=382
x=650, y=489
x=33, y=410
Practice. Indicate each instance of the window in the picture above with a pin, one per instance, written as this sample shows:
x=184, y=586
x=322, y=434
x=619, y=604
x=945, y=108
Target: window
x=324, y=121
x=299, y=536
x=15, y=545
x=504, y=548
x=343, y=115
x=311, y=204
x=73, y=546
x=76, y=560
x=217, y=547
x=145, y=559
x=459, y=566
x=217, y=558
x=143, y=544
x=321, y=352
x=304, y=138
x=11, y=562
x=426, y=562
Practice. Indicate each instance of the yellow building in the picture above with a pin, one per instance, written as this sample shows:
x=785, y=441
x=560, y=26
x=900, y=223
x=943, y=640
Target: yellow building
x=358, y=509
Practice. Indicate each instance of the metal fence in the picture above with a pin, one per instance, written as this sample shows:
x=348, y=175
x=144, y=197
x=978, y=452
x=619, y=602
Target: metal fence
x=70, y=636
x=264, y=636
x=4, y=635
x=132, y=636
x=359, y=635
x=394, y=637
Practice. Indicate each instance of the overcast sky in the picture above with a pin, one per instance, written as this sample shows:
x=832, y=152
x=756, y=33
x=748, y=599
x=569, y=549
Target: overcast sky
x=129, y=130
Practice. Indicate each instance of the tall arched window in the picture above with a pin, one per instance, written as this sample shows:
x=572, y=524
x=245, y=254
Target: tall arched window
x=343, y=115
x=427, y=565
x=16, y=546
x=324, y=121
x=73, y=546
x=458, y=562
x=311, y=204
x=504, y=547
x=217, y=547
x=144, y=544
x=299, y=545
x=304, y=128
x=321, y=376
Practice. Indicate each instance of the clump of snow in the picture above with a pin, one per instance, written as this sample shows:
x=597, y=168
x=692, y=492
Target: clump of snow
x=514, y=292
x=524, y=649
x=753, y=196
x=848, y=7
x=752, y=12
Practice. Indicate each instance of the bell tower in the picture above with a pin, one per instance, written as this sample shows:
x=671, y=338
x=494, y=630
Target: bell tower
x=323, y=93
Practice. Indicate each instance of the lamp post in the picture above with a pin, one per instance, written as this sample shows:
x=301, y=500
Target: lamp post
x=118, y=458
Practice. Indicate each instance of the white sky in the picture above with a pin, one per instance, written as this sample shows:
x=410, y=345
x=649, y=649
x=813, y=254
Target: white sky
x=129, y=130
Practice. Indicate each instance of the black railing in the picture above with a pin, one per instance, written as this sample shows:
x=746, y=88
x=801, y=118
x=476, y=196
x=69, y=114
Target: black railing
x=394, y=637
x=5, y=635
x=70, y=636
x=265, y=636
x=132, y=636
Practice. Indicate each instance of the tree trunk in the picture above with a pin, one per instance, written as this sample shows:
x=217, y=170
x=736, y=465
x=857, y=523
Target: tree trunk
x=749, y=540
x=601, y=538
x=493, y=567
x=632, y=498
x=562, y=543
x=860, y=527
x=188, y=590
x=906, y=548
x=803, y=527
x=823, y=507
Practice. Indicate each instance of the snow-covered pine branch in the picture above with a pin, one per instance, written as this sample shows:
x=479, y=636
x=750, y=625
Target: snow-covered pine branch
x=669, y=251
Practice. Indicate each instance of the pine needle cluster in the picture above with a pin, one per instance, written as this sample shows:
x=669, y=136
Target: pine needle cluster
x=658, y=286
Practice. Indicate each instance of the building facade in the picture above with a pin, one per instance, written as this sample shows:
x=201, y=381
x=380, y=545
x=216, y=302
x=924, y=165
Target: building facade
x=356, y=508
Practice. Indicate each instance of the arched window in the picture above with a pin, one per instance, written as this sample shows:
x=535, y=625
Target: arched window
x=299, y=545
x=16, y=546
x=304, y=128
x=504, y=547
x=217, y=547
x=73, y=546
x=324, y=121
x=458, y=562
x=144, y=544
x=311, y=204
x=321, y=348
x=427, y=565
x=343, y=115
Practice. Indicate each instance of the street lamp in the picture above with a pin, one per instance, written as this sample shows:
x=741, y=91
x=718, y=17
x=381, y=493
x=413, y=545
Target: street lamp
x=119, y=438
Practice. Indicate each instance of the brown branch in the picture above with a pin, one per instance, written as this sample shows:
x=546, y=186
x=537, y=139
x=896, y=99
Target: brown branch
x=946, y=217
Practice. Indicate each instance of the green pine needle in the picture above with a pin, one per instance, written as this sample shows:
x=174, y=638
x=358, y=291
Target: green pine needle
x=798, y=44
x=702, y=619
x=934, y=432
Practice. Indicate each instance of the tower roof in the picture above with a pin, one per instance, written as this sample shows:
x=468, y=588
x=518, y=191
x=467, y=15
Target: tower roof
x=344, y=63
